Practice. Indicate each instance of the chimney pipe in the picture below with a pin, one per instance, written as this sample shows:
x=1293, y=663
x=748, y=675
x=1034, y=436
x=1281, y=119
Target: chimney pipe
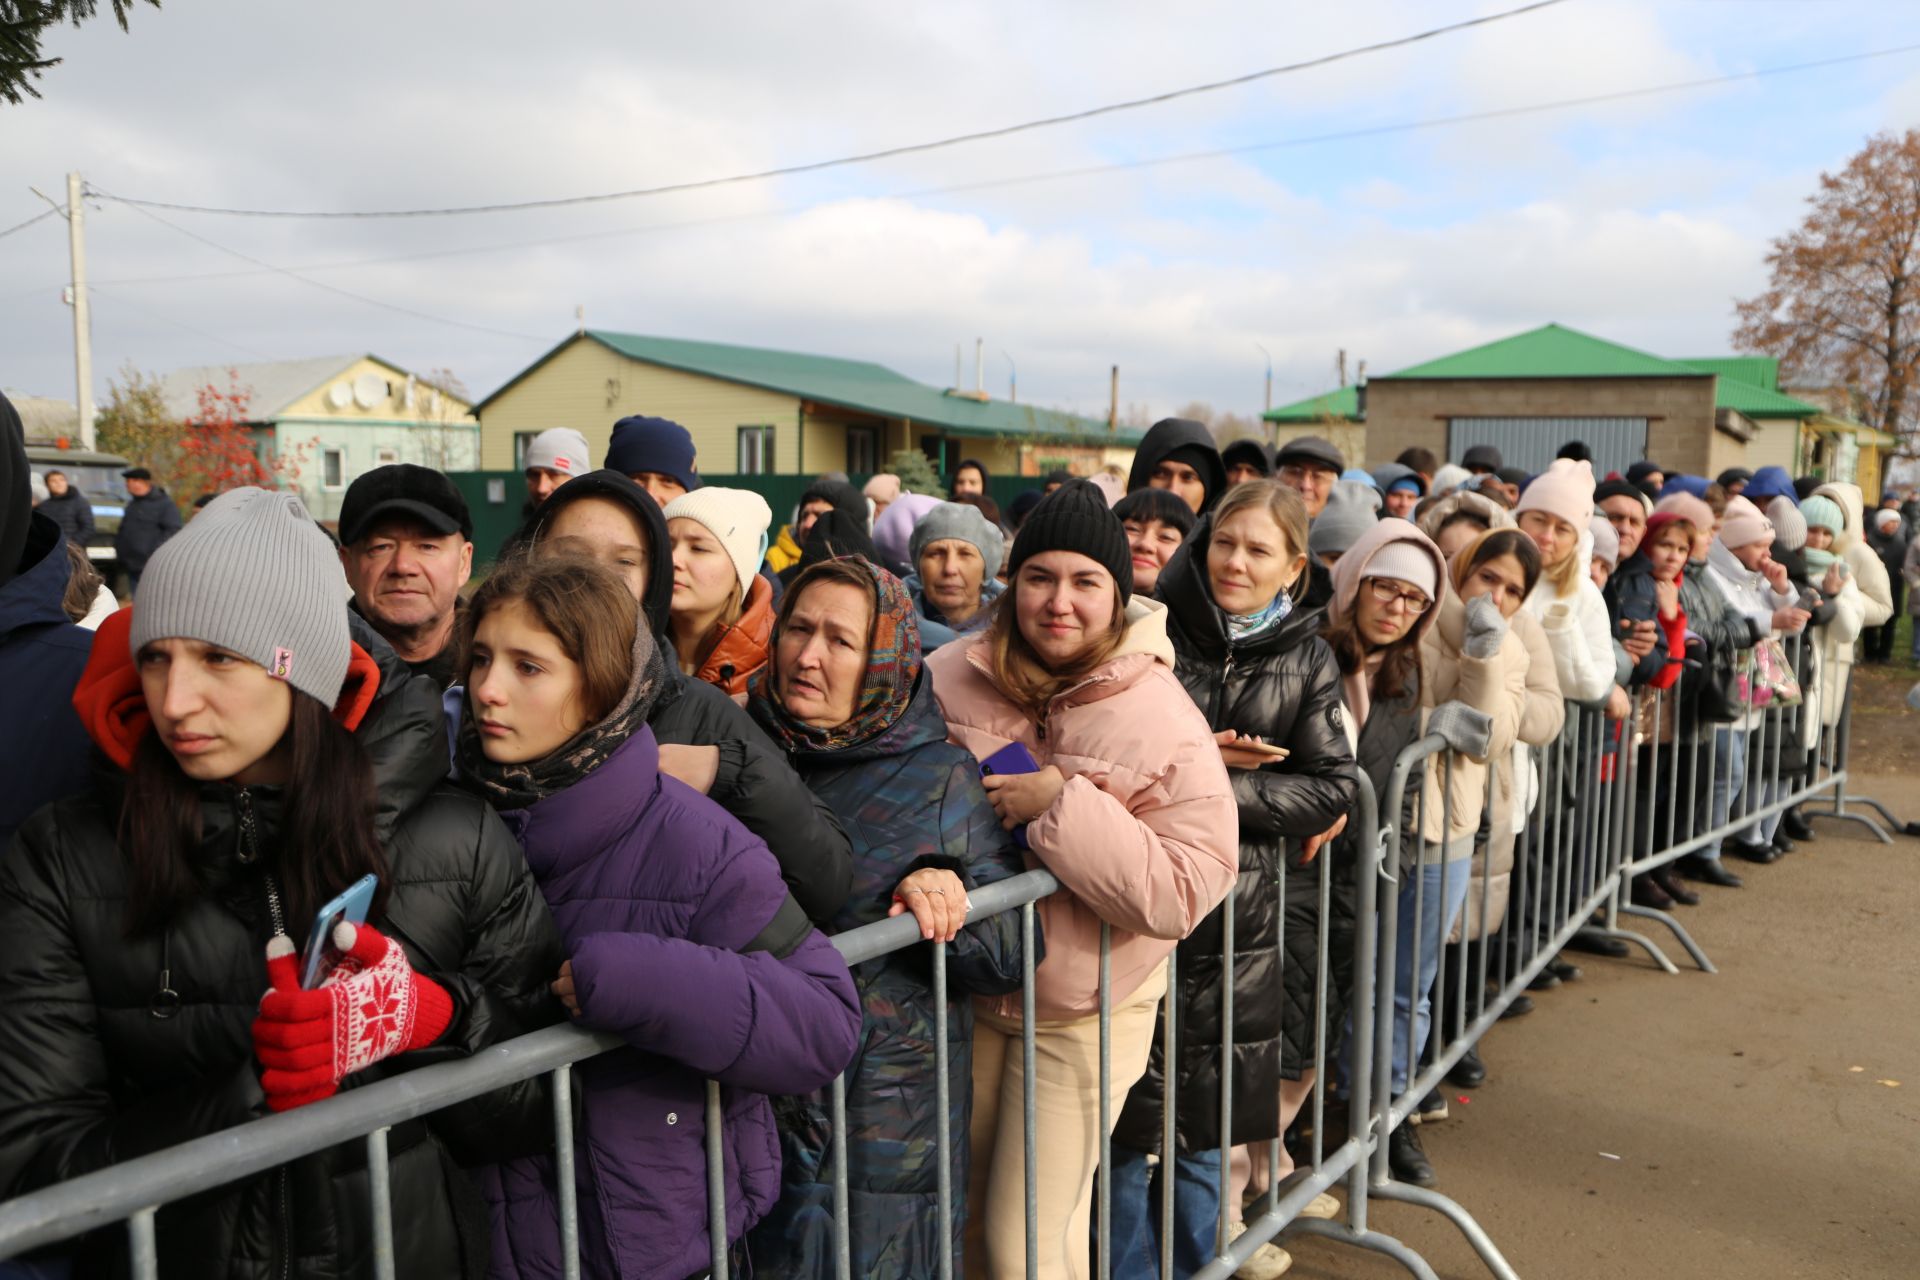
x=980, y=367
x=1113, y=400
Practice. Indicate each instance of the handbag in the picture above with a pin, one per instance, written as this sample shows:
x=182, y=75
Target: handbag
x=1720, y=688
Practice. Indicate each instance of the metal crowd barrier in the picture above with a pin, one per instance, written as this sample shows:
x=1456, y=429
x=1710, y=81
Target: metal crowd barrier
x=1607, y=807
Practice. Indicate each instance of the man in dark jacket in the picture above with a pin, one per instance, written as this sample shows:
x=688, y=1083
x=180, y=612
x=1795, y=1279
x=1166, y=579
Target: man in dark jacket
x=150, y=519
x=406, y=542
x=1247, y=460
x=1179, y=454
x=68, y=508
x=43, y=751
x=1887, y=534
x=708, y=741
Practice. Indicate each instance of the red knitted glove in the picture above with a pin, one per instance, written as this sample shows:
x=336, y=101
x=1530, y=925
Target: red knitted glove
x=372, y=1006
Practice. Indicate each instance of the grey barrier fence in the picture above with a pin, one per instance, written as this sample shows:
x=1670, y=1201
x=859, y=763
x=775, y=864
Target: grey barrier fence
x=1612, y=800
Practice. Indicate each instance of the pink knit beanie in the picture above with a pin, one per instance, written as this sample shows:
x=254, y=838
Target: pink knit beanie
x=1744, y=524
x=1693, y=510
x=1564, y=489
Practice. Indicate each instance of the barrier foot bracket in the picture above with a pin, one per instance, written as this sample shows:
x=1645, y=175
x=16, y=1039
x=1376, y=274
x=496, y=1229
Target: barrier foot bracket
x=1637, y=939
x=1374, y=1240
x=1475, y=1233
x=1679, y=931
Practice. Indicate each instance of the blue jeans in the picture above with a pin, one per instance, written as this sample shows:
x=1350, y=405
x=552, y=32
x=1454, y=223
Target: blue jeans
x=1728, y=780
x=1411, y=990
x=1136, y=1213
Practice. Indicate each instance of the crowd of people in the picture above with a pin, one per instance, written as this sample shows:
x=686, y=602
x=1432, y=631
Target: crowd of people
x=639, y=774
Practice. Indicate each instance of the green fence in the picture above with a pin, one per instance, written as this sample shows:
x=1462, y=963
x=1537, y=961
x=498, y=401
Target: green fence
x=496, y=499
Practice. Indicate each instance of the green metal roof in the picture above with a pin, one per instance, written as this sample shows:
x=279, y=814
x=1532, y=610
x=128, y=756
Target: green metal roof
x=1550, y=351
x=851, y=384
x=1745, y=384
x=1340, y=405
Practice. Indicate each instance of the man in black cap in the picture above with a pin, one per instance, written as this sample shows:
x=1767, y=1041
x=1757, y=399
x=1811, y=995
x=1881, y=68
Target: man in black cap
x=1178, y=454
x=1309, y=466
x=1482, y=460
x=150, y=519
x=406, y=542
x=1247, y=460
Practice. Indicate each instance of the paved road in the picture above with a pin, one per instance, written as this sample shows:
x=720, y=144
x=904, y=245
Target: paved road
x=1754, y=1134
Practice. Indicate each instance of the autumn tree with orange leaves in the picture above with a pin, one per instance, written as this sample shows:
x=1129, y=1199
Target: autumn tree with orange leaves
x=1843, y=307
x=214, y=449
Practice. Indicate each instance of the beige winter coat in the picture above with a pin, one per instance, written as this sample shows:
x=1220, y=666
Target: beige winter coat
x=1869, y=570
x=1145, y=836
x=1497, y=686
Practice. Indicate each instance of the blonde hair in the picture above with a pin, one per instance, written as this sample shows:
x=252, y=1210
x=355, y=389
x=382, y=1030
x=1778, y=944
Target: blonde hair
x=1282, y=504
x=1020, y=672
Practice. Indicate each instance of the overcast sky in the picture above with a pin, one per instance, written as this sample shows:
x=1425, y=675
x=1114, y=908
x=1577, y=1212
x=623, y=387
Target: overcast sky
x=1638, y=221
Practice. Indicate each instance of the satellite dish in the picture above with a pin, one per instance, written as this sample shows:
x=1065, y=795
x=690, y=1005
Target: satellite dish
x=369, y=389
x=340, y=395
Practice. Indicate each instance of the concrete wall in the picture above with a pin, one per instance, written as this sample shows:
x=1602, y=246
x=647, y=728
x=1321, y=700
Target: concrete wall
x=1402, y=413
x=589, y=387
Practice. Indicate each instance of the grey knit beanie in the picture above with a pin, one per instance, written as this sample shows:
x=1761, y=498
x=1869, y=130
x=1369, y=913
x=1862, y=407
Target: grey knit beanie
x=254, y=574
x=1351, y=510
x=966, y=523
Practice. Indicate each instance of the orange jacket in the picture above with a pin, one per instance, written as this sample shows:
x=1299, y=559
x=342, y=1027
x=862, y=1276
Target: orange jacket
x=741, y=649
x=1145, y=835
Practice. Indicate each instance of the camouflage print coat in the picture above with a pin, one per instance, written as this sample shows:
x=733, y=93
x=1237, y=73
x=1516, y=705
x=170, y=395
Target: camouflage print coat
x=908, y=799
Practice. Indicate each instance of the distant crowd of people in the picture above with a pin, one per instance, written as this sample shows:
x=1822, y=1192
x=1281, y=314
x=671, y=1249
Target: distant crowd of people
x=638, y=775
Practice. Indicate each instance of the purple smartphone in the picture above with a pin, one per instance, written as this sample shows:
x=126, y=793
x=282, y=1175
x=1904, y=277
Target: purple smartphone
x=1012, y=758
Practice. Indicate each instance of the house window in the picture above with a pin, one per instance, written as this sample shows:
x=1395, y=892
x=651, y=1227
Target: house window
x=755, y=451
x=521, y=439
x=863, y=449
x=333, y=468
x=385, y=457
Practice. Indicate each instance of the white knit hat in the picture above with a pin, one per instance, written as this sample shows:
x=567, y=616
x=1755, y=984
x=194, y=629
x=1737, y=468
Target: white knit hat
x=1564, y=489
x=559, y=449
x=254, y=574
x=737, y=517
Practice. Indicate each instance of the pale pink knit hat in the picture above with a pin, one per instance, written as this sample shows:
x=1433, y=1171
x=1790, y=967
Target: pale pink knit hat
x=1564, y=489
x=1744, y=524
x=1694, y=511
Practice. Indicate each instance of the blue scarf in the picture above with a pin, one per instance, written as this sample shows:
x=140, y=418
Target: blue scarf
x=1245, y=626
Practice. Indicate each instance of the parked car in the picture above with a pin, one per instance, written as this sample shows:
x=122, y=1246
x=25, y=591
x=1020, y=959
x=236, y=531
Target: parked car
x=96, y=475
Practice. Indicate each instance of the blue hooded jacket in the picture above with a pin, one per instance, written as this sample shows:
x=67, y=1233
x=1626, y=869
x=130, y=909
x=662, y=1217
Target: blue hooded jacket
x=44, y=752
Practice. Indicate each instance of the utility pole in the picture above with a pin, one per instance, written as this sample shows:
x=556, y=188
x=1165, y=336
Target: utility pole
x=82, y=321
x=1113, y=400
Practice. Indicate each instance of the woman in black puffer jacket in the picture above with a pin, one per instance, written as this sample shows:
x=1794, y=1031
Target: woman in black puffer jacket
x=264, y=763
x=1257, y=668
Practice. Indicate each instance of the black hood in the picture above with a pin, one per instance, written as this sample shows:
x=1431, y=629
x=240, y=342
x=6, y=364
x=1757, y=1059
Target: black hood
x=846, y=499
x=836, y=535
x=1184, y=589
x=1171, y=435
x=16, y=492
x=617, y=487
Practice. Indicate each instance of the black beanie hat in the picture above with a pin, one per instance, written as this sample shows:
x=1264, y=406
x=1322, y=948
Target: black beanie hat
x=1075, y=517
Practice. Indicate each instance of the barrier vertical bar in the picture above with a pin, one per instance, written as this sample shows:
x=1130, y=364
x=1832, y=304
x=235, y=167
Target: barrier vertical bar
x=842, y=1200
x=716, y=1182
x=942, y=1088
x=145, y=1257
x=380, y=1191
x=1029, y=1118
x=1170, y=1009
x=1222, y=1219
x=1103, y=1269
x=563, y=1174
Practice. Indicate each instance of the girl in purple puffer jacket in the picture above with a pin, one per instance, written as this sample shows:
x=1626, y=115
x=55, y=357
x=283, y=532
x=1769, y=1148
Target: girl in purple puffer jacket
x=680, y=934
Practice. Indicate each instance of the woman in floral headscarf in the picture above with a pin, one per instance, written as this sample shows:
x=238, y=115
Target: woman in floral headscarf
x=843, y=693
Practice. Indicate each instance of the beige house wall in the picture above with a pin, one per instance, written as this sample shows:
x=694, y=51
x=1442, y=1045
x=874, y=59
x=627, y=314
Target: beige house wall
x=1402, y=413
x=588, y=387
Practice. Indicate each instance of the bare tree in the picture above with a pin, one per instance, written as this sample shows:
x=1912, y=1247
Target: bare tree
x=1842, y=305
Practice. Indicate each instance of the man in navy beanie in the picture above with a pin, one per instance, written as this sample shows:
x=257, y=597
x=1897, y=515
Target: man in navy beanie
x=656, y=454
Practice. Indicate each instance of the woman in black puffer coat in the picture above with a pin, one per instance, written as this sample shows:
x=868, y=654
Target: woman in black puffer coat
x=1257, y=668
x=264, y=762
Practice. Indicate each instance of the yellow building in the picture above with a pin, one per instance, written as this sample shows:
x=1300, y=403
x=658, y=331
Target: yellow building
x=335, y=417
x=758, y=411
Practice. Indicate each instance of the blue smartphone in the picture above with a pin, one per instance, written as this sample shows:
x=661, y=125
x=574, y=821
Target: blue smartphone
x=1012, y=758
x=352, y=906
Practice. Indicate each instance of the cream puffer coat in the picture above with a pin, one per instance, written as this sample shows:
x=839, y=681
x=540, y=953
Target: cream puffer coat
x=1578, y=630
x=1516, y=782
x=1145, y=836
x=1496, y=686
x=1868, y=569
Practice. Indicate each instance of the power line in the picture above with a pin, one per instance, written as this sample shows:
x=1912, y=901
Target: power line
x=1187, y=157
x=22, y=226
x=868, y=156
x=163, y=317
x=334, y=289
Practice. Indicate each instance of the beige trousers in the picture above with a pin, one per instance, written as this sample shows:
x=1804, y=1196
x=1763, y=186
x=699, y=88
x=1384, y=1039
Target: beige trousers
x=1066, y=1095
x=1249, y=1173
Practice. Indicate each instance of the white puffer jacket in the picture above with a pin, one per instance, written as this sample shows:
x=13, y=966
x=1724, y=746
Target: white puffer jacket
x=1868, y=569
x=1751, y=596
x=1580, y=635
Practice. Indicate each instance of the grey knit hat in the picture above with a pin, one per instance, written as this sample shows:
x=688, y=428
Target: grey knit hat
x=1351, y=510
x=254, y=574
x=964, y=522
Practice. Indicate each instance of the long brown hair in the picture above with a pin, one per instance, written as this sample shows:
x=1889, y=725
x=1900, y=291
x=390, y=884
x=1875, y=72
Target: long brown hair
x=579, y=602
x=326, y=834
x=1399, y=669
x=1021, y=673
x=83, y=584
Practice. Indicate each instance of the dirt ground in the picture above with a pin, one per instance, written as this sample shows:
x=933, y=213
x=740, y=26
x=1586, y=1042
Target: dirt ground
x=1761, y=1122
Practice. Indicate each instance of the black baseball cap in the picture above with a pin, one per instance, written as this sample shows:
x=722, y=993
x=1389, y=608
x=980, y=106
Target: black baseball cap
x=136, y=473
x=403, y=489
